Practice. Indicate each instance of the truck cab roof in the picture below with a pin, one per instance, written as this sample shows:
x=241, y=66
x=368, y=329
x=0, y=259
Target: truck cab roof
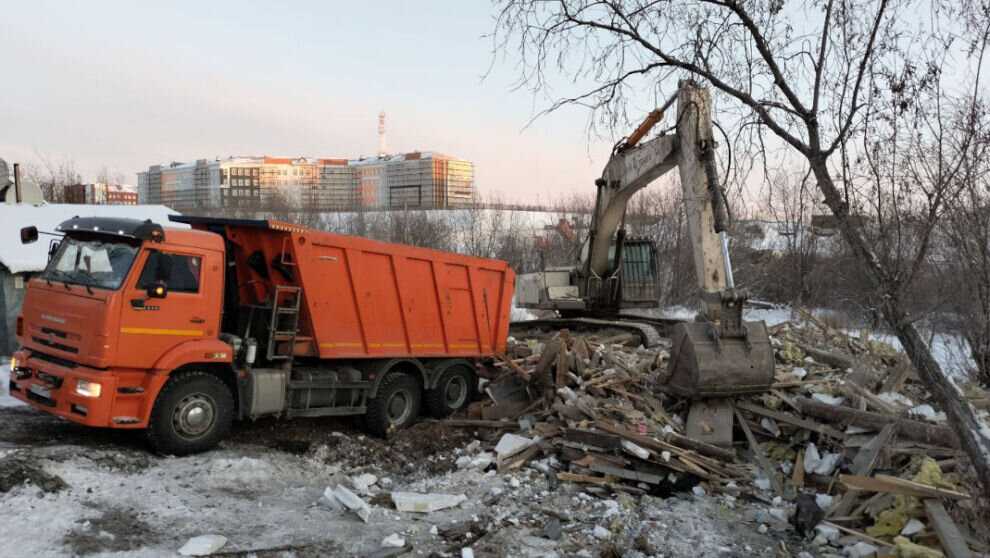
x=145, y=230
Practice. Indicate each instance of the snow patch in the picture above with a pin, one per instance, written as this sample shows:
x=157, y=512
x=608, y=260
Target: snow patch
x=6, y=400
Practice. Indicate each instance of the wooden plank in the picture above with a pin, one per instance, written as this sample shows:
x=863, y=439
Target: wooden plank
x=758, y=452
x=593, y=438
x=852, y=390
x=895, y=379
x=516, y=369
x=895, y=485
x=858, y=534
x=563, y=365
x=942, y=436
x=573, y=477
x=700, y=447
x=863, y=465
x=786, y=418
x=505, y=410
x=660, y=446
x=833, y=359
x=627, y=474
x=517, y=461
x=798, y=478
x=948, y=534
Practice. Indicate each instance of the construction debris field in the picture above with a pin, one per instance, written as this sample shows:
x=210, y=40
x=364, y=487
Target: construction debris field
x=844, y=456
x=71, y=490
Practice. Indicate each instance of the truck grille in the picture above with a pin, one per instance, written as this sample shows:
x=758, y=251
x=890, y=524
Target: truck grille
x=50, y=342
x=46, y=401
x=52, y=359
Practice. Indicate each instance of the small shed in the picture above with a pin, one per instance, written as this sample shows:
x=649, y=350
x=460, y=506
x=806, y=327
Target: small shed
x=19, y=262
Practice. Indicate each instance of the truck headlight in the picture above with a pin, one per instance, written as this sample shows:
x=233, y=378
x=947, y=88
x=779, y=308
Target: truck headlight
x=13, y=364
x=88, y=389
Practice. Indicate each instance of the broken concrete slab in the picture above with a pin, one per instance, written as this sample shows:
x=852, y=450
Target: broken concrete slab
x=511, y=444
x=425, y=503
x=203, y=545
x=353, y=502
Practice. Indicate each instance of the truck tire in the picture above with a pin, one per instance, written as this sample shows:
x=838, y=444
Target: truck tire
x=192, y=412
x=396, y=405
x=453, y=391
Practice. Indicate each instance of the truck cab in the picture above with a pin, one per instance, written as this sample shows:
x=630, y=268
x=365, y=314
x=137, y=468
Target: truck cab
x=121, y=305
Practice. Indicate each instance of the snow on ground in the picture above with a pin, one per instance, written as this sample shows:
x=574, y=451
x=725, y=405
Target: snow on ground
x=5, y=399
x=262, y=490
x=950, y=351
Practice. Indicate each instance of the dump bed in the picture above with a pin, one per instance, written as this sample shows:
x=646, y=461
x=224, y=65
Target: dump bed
x=362, y=298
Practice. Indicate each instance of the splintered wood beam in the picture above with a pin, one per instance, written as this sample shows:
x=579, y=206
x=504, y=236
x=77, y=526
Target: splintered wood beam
x=863, y=465
x=758, y=452
x=948, y=534
x=516, y=369
x=941, y=436
x=786, y=418
x=895, y=485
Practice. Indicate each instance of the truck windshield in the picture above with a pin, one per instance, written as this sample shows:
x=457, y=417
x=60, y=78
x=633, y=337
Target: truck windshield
x=95, y=263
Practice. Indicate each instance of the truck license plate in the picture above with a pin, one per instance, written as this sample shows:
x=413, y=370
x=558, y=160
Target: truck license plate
x=41, y=390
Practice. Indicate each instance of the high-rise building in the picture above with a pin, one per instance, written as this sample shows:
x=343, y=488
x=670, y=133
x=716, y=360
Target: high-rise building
x=411, y=180
x=427, y=180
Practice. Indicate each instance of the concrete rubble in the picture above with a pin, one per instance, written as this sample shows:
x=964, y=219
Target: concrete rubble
x=203, y=545
x=425, y=503
x=841, y=452
x=341, y=496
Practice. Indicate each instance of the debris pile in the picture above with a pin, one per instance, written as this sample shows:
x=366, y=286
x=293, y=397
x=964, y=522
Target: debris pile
x=846, y=446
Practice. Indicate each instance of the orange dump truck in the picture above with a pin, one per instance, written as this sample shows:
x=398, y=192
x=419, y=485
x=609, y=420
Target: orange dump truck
x=178, y=331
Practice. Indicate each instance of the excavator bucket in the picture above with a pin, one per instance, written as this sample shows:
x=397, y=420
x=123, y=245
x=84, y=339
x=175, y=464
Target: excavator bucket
x=704, y=364
x=716, y=360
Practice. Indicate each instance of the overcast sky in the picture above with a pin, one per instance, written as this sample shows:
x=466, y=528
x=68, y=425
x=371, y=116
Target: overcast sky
x=130, y=84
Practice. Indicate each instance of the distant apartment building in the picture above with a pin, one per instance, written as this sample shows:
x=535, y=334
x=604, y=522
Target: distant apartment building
x=98, y=193
x=429, y=180
x=423, y=180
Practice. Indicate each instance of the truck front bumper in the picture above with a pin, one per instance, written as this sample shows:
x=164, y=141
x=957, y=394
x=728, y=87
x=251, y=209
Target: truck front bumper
x=61, y=388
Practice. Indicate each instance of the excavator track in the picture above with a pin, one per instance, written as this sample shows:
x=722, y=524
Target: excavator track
x=651, y=331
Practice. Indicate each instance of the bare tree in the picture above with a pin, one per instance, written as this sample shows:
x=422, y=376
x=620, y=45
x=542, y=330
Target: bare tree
x=962, y=251
x=106, y=175
x=52, y=175
x=801, y=83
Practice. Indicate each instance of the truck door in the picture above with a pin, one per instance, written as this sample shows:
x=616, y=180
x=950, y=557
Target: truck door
x=190, y=310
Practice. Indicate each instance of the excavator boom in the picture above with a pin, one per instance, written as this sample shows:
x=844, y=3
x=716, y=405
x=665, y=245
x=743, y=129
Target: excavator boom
x=720, y=354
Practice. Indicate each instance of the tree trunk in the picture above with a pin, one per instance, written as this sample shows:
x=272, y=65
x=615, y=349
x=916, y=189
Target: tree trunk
x=961, y=415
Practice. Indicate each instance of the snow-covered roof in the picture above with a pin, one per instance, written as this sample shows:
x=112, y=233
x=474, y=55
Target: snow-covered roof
x=19, y=258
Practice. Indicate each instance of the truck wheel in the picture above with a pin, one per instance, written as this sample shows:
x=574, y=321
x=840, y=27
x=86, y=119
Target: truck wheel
x=192, y=413
x=453, y=391
x=396, y=405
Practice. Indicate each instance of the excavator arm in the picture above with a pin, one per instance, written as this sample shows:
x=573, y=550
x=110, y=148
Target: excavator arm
x=634, y=166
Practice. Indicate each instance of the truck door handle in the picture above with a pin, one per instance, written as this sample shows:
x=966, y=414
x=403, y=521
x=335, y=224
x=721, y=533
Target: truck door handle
x=198, y=321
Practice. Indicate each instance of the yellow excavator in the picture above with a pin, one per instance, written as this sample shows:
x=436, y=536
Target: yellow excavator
x=715, y=356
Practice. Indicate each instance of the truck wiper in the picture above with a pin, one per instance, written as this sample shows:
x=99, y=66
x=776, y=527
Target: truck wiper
x=63, y=280
x=89, y=276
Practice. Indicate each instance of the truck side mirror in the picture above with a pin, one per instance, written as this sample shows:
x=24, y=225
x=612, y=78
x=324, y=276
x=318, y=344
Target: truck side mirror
x=158, y=290
x=29, y=234
x=53, y=248
x=163, y=270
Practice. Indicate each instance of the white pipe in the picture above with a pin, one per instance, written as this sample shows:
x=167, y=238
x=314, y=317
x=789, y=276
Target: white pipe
x=730, y=283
